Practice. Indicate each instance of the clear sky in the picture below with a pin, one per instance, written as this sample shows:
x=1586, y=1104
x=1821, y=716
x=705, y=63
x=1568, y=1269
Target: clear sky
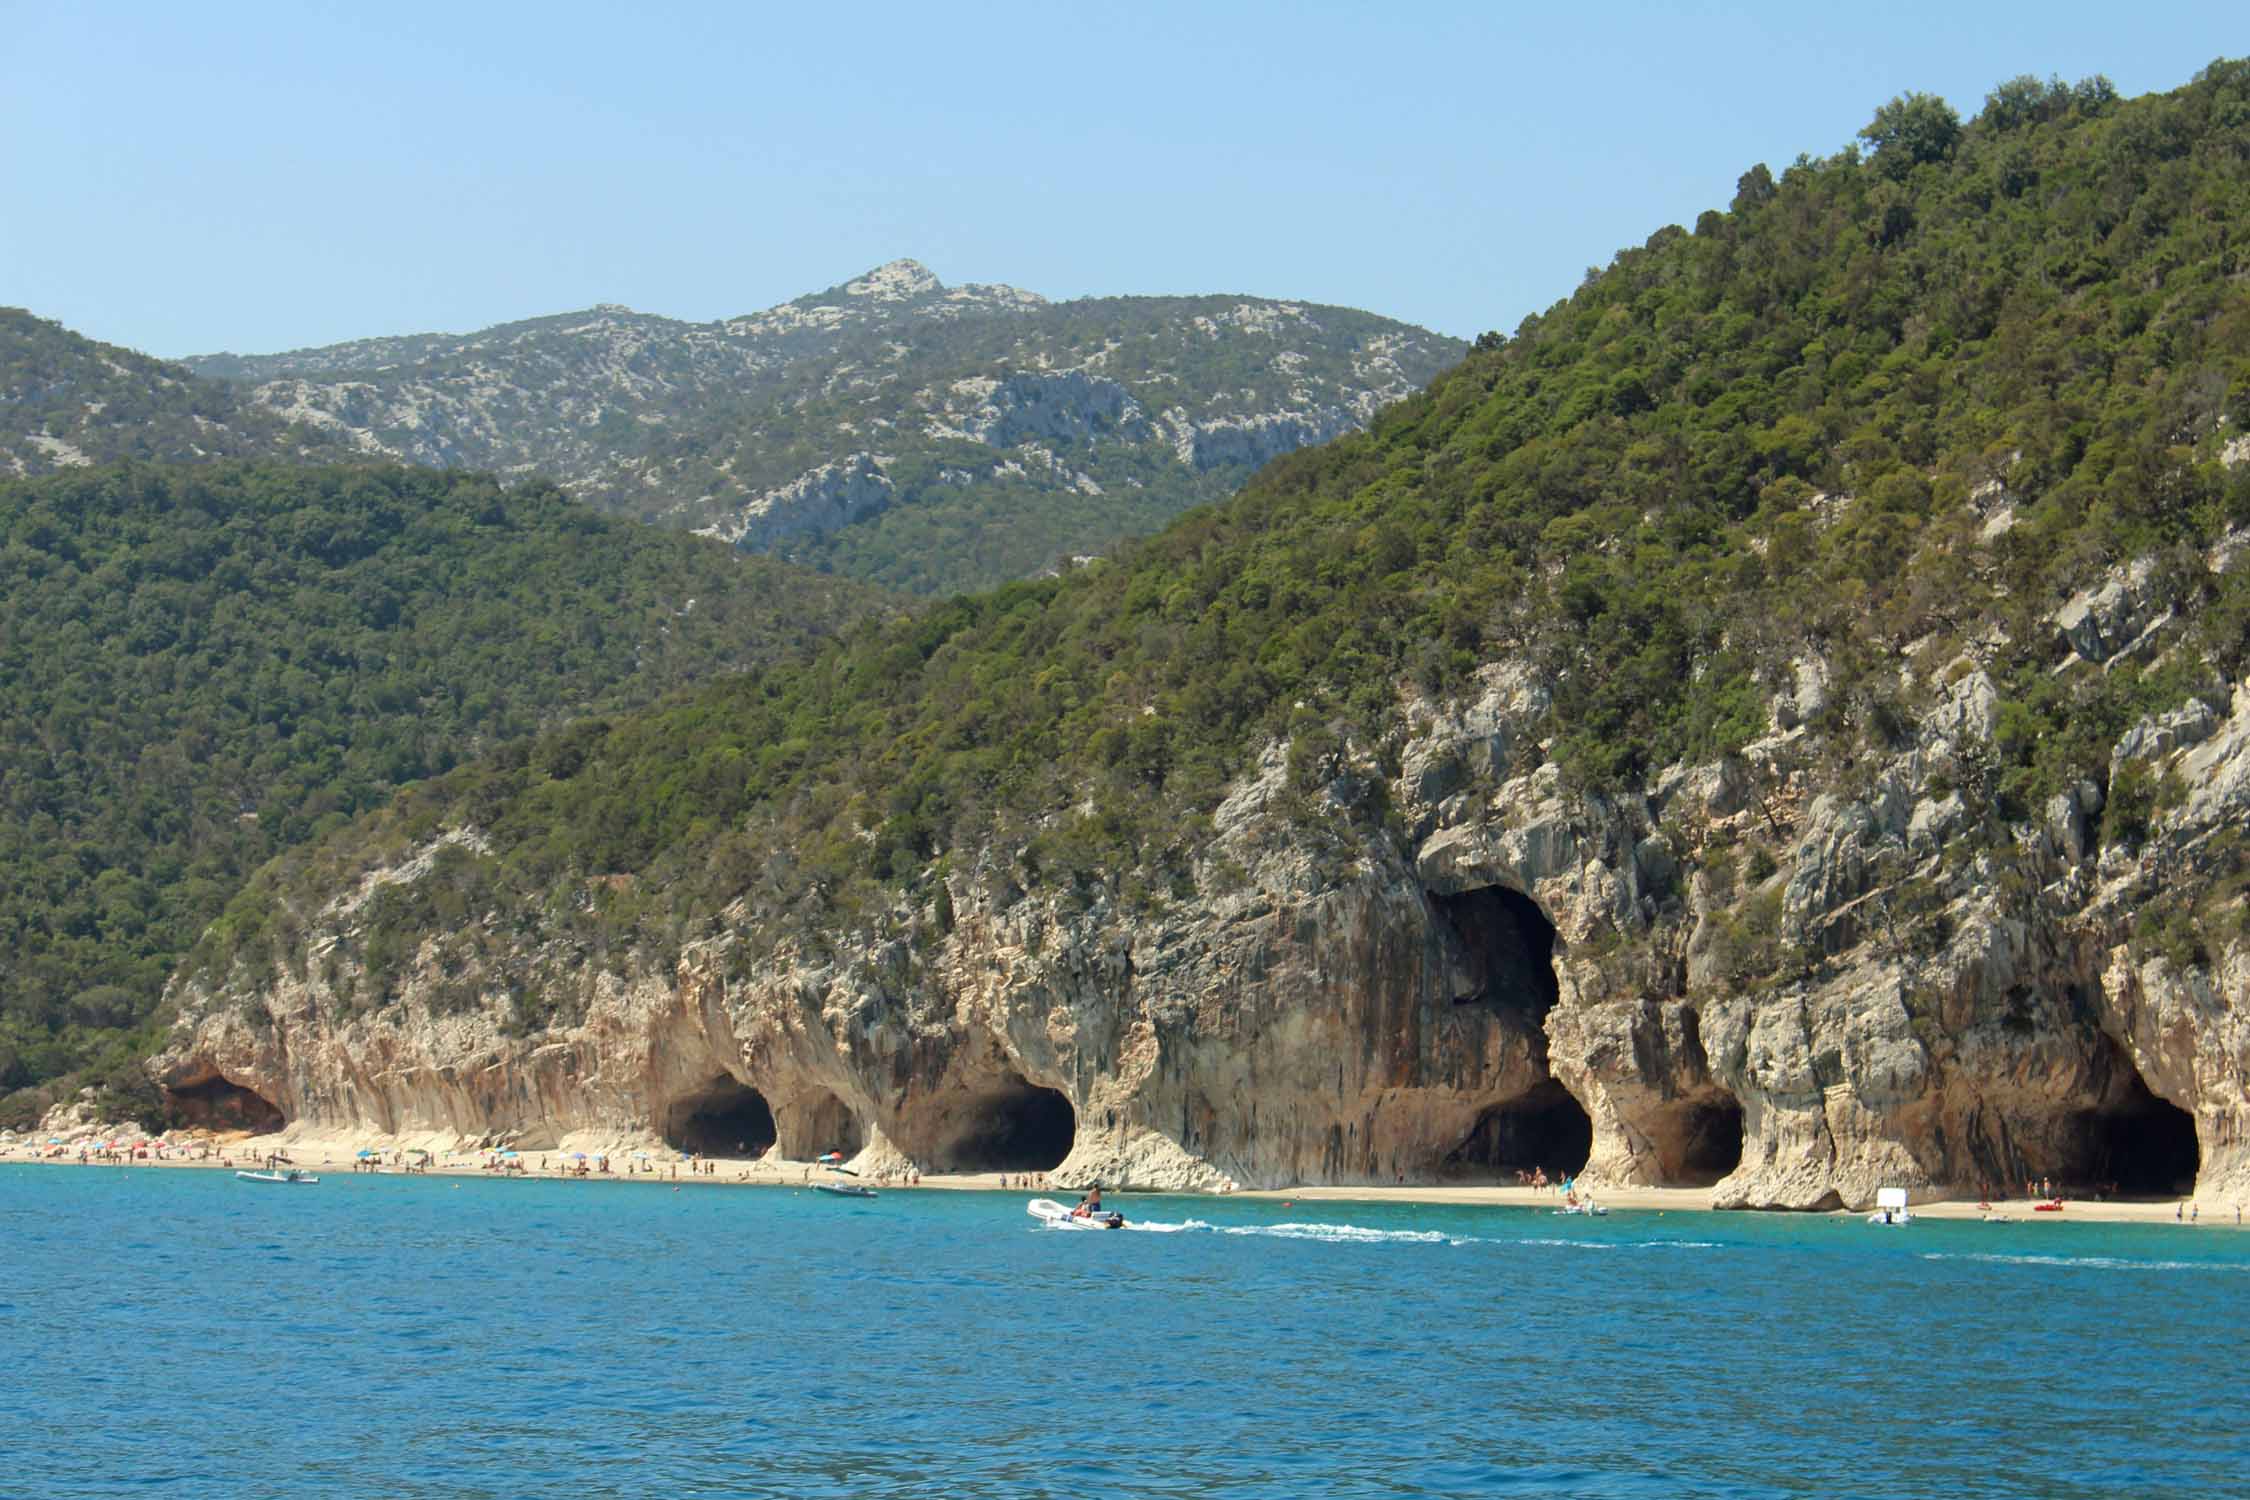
x=190, y=178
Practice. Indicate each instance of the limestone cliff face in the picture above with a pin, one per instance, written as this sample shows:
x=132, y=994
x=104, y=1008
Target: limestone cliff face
x=1764, y=976
x=1302, y=1027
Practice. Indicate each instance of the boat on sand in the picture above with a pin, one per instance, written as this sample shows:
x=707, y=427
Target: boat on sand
x=1890, y=1207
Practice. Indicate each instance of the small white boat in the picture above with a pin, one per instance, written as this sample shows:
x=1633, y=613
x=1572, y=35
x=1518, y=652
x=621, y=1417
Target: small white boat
x=1588, y=1206
x=1047, y=1211
x=288, y=1175
x=1890, y=1207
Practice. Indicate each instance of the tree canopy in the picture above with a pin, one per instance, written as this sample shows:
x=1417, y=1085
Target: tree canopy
x=202, y=666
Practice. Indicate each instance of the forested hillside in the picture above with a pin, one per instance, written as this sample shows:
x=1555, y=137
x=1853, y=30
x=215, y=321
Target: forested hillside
x=202, y=666
x=67, y=401
x=1892, y=405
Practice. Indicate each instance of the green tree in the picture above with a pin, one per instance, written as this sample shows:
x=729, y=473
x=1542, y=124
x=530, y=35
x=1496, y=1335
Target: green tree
x=1910, y=130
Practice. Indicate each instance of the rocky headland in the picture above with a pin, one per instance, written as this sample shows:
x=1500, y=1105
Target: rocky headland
x=1778, y=724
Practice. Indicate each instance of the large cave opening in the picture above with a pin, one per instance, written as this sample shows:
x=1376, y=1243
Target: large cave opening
x=1543, y=1128
x=1015, y=1127
x=2135, y=1145
x=1507, y=949
x=726, y=1117
x=1696, y=1140
x=215, y=1104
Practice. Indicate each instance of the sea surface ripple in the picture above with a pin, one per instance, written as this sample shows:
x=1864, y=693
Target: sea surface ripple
x=177, y=1332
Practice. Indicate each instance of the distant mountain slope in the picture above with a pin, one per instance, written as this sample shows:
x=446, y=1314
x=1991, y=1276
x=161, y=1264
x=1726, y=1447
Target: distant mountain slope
x=200, y=666
x=892, y=428
x=67, y=401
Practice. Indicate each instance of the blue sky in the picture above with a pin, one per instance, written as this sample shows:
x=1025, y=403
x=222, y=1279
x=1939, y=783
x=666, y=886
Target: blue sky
x=189, y=178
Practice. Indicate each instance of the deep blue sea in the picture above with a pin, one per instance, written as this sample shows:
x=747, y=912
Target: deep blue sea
x=179, y=1332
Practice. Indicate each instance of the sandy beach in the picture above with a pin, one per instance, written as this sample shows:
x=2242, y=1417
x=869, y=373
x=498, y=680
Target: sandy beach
x=646, y=1166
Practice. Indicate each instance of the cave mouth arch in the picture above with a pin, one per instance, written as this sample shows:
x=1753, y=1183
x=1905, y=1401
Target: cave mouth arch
x=816, y=1121
x=1543, y=1128
x=725, y=1117
x=2134, y=1146
x=1016, y=1126
x=1508, y=946
x=216, y=1104
x=1696, y=1140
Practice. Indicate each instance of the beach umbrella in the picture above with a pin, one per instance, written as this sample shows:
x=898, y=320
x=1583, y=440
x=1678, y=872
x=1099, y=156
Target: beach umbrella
x=507, y=1156
x=831, y=1156
x=363, y=1154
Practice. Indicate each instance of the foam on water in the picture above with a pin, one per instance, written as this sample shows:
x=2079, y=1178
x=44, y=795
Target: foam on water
x=1343, y=1234
x=2091, y=1262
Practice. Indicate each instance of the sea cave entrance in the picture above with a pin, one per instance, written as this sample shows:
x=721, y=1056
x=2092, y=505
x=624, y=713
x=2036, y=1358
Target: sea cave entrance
x=1544, y=1128
x=1696, y=1140
x=215, y=1104
x=1508, y=948
x=1016, y=1126
x=2135, y=1145
x=725, y=1117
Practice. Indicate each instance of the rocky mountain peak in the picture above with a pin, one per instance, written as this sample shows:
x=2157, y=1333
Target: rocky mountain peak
x=895, y=281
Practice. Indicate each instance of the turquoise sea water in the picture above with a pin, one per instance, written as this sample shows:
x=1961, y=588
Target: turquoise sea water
x=179, y=1332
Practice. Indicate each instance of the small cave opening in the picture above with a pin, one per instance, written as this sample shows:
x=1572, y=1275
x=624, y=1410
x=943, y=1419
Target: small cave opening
x=1508, y=947
x=817, y=1122
x=1544, y=1128
x=1017, y=1127
x=1697, y=1140
x=725, y=1117
x=2134, y=1146
x=216, y=1104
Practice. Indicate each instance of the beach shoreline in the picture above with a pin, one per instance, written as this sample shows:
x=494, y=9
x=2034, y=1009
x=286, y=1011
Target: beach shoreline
x=324, y=1155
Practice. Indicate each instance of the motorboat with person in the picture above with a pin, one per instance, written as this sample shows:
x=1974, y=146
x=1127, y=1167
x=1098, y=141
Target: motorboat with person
x=1089, y=1214
x=290, y=1175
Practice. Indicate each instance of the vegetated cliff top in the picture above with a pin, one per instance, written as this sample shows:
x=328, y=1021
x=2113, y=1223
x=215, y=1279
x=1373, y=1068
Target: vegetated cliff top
x=892, y=428
x=1887, y=410
x=200, y=666
x=67, y=402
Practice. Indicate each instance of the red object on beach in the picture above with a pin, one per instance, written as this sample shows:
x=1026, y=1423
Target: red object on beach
x=2048, y=1208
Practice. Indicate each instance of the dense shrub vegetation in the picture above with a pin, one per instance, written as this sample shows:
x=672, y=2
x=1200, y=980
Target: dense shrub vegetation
x=201, y=666
x=1794, y=428
x=68, y=400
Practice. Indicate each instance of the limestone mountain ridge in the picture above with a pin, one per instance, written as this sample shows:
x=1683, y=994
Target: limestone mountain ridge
x=894, y=427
